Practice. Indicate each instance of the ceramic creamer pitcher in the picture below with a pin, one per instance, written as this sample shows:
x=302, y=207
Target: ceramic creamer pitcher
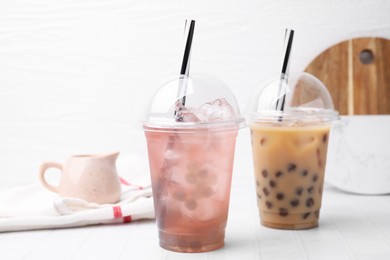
x=93, y=178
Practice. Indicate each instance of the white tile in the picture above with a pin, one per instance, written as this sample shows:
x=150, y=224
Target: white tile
x=96, y=254
x=372, y=256
x=368, y=245
x=142, y=248
x=325, y=231
x=276, y=245
x=280, y=256
x=49, y=254
x=323, y=247
x=372, y=207
x=229, y=253
x=21, y=241
x=384, y=227
x=143, y=229
x=110, y=238
x=14, y=255
x=186, y=256
x=64, y=239
x=329, y=256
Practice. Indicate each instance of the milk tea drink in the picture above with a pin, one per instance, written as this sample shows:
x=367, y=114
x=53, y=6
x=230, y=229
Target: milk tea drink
x=289, y=148
x=191, y=154
x=289, y=167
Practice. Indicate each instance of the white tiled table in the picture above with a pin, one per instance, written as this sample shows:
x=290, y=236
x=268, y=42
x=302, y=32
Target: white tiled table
x=351, y=227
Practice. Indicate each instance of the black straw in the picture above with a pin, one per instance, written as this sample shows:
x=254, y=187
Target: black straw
x=185, y=66
x=289, y=35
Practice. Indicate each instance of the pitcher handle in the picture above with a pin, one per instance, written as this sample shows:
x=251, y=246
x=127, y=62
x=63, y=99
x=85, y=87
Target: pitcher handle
x=42, y=170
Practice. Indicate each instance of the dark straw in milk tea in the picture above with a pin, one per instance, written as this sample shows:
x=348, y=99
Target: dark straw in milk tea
x=288, y=41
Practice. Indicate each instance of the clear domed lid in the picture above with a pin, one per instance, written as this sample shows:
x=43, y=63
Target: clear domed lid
x=196, y=101
x=298, y=99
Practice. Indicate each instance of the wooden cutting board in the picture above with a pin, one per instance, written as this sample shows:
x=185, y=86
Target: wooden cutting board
x=357, y=75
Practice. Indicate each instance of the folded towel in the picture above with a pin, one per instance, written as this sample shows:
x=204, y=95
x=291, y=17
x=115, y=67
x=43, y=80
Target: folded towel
x=32, y=207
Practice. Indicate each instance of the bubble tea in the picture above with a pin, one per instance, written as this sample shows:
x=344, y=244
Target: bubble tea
x=289, y=152
x=191, y=154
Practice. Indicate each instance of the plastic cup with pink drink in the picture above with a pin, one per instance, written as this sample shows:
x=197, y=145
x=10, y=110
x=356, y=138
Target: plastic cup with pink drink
x=191, y=153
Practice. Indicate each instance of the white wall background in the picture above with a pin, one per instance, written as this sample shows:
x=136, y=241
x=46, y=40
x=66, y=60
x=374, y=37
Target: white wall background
x=74, y=75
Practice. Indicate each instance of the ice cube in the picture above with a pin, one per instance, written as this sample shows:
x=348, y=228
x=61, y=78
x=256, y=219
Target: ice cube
x=184, y=114
x=307, y=141
x=216, y=110
x=171, y=155
x=207, y=210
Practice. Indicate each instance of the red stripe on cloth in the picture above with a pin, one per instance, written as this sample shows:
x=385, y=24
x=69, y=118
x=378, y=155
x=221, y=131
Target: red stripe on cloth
x=124, y=182
x=117, y=211
x=127, y=219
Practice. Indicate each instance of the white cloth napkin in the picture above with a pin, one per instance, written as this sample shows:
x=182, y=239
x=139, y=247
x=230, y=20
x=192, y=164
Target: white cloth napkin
x=32, y=207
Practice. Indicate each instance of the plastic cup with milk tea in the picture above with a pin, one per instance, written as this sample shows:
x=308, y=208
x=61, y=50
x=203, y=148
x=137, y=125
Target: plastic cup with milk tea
x=191, y=153
x=290, y=149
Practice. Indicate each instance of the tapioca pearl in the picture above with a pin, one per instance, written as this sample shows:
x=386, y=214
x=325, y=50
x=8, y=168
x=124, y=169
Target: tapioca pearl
x=203, y=174
x=278, y=174
x=283, y=212
x=202, y=190
x=257, y=183
x=179, y=195
x=310, y=190
x=291, y=167
x=317, y=213
x=294, y=202
x=299, y=191
x=268, y=204
x=280, y=196
x=306, y=215
x=315, y=177
x=258, y=195
x=264, y=173
x=207, y=192
x=309, y=202
x=324, y=138
x=272, y=183
x=266, y=191
x=263, y=141
x=191, y=204
x=191, y=178
x=304, y=173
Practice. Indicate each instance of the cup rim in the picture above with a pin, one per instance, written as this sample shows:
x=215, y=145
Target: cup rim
x=292, y=116
x=170, y=126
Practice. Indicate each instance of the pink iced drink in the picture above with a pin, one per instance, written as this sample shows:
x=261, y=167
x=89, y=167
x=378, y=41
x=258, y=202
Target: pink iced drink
x=191, y=173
